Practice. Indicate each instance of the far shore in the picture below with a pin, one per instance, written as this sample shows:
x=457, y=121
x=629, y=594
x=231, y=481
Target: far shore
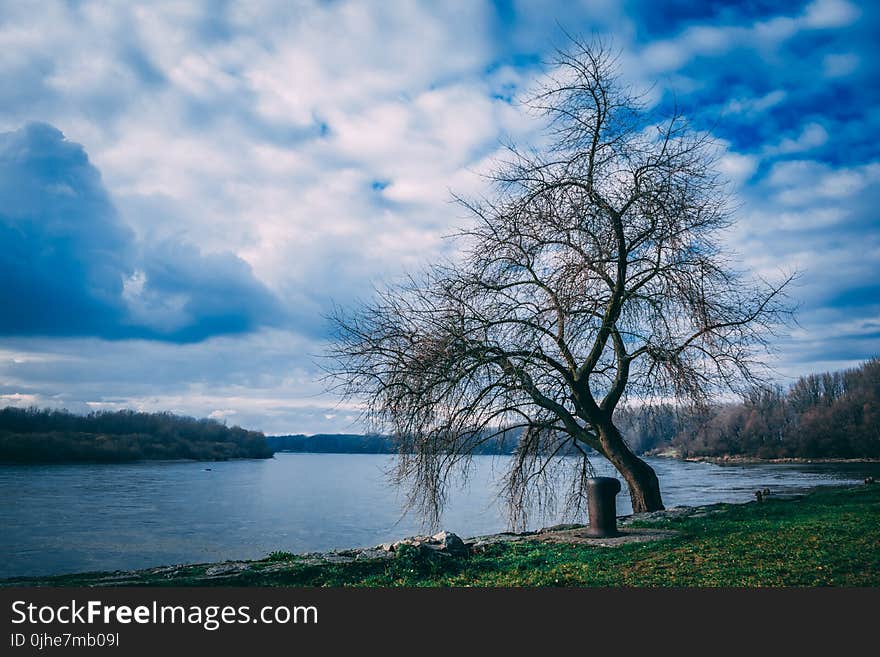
x=741, y=459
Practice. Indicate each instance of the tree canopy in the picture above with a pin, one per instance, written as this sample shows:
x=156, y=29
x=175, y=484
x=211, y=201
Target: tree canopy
x=594, y=271
x=33, y=435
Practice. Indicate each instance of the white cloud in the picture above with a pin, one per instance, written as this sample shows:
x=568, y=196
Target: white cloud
x=830, y=13
x=19, y=399
x=263, y=380
x=812, y=136
x=806, y=182
x=755, y=105
x=810, y=219
x=839, y=65
x=711, y=41
x=737, y=167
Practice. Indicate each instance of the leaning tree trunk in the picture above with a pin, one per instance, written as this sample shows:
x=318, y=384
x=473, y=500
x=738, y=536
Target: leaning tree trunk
x=644, y=487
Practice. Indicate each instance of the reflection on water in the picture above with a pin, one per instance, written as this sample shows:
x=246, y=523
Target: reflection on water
x=70, y=518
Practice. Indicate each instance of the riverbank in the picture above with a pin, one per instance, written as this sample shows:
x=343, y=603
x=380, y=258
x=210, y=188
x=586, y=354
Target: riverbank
x=740, y=459
x=825, y=538
x=754, y=460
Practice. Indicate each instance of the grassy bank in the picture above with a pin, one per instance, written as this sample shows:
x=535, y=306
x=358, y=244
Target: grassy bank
x=827, y=538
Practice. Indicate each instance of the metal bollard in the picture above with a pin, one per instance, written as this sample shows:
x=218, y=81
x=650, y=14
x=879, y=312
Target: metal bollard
x=601, y=492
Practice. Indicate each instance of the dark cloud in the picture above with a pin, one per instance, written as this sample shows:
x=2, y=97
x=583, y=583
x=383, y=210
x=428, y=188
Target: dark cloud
x=70, y=266
x=65, y=253
x=192, y=296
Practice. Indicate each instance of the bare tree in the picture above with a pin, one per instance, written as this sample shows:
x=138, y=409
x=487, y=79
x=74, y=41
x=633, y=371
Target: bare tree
x=592, y=274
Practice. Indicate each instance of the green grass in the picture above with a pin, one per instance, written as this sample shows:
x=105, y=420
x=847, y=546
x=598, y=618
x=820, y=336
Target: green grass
x=827, y=538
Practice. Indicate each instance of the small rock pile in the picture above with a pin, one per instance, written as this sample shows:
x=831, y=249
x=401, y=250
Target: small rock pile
x=444, y=542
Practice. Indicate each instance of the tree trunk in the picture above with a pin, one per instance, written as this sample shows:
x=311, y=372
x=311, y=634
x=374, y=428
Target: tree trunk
x=644, y=487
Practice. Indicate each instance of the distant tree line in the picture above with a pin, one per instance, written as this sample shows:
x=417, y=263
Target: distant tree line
x=334, y=443
x=32, y=435
x=345, y=443
x=829, y=415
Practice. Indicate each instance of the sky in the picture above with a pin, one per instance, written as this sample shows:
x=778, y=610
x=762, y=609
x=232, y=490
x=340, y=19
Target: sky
x=187, y=188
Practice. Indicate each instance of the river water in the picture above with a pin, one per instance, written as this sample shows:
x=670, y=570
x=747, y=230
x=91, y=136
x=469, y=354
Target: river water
x=72, y=518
